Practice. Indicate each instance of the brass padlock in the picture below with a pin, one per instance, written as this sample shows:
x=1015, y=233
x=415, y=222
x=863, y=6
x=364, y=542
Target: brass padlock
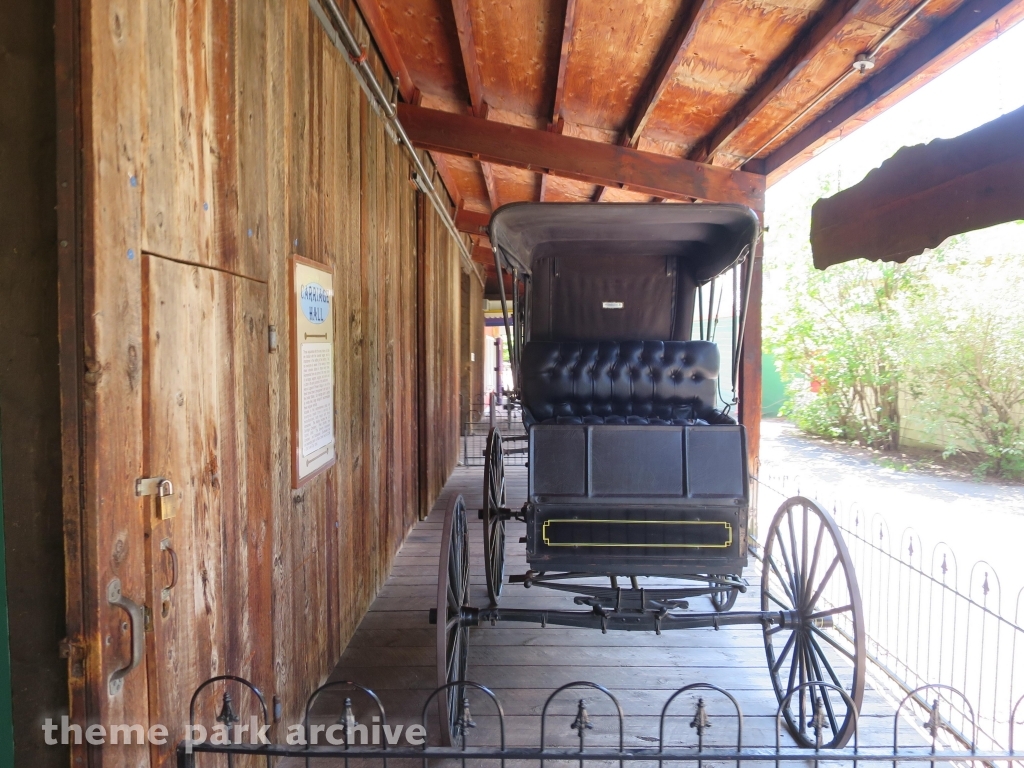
x=166, y=500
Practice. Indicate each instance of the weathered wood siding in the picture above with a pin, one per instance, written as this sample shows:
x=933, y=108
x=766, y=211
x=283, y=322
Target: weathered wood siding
x=471, y=372
x=218, y=139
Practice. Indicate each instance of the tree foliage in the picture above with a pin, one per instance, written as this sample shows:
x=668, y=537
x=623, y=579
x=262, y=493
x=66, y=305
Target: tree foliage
x=860, y=342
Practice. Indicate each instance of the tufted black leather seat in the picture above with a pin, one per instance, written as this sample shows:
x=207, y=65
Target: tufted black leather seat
x=621, y=382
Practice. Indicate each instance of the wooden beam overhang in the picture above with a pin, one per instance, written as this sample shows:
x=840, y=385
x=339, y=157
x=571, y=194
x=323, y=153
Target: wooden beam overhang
x=388, y=47
x=568, y=27
x=783, y=71
x=667, y=63
x=474, y=82
x=472, y=222
x=973, y=18
x=924, y=194
x=587, y=161
x=389, y=51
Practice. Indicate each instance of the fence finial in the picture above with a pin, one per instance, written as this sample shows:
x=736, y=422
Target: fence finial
x=348, y=721
x=582, y=722
x=934, y=722
x=818, y=721
x=465, y=718
x=700, y=719
x=227, y=714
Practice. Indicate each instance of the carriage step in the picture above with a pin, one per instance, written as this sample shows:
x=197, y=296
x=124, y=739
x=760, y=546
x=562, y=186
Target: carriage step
x=433, y=616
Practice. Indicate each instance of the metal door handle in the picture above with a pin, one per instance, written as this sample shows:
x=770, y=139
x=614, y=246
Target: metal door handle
x=165, y=546
x=115, y=683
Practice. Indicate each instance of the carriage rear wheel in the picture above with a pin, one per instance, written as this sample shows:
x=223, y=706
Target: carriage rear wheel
x=452, y=596
x=807, y=568
x=494, y=523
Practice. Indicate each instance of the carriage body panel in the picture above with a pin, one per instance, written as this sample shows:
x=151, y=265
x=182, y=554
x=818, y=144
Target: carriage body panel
x=638, y=500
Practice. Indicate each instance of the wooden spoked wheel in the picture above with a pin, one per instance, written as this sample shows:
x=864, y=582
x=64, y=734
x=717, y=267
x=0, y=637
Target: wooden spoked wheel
x=807, y=569
x=724, y=601
x=452, y=596
x=494, y=523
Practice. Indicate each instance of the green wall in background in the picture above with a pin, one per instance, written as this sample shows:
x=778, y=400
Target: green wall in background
x=773, y=393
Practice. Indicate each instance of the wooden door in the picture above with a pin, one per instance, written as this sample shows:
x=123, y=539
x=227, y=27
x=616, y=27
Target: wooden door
x=206, y=430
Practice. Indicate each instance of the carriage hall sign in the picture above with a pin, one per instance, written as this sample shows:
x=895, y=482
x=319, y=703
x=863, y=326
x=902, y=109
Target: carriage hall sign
x=312, y=369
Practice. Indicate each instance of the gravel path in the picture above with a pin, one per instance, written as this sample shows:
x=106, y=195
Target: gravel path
x=979, y=520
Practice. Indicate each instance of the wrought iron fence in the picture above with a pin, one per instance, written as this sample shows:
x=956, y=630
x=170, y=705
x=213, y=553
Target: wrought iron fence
x=508, y=418
x=569, y=734
x=929, y=621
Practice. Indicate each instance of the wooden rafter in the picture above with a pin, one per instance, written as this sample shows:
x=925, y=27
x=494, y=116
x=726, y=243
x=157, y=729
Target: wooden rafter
x=783, y=71
x=672, y=53
x=388, y=47
x=973, y=18
x=589, y=161
x=568, y=27
x=475, y=83
x=671, y=57
x=472, y=222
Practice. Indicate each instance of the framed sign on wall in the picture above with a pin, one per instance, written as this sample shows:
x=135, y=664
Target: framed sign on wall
x=312, y=369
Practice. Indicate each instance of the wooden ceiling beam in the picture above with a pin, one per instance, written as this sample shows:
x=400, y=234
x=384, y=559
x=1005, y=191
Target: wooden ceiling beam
x=472, y=222
x=783, y=71
x=672, y=53
x=467, y=44
x=557, y=121
x=671, y=56
x=951, y=37
x=588, y=161
x=474, y=82
x=388, y=47
x=568, y=28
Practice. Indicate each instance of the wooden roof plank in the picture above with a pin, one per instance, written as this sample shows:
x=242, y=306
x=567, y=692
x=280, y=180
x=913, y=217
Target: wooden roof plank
x=474, y=80
x=678, y=43
x=590, y=161
x=568, y=25
x=388, y=47
x=968, y=20
x=924, y=194
x=472, y=222
x=467, y=44
x=783, y=71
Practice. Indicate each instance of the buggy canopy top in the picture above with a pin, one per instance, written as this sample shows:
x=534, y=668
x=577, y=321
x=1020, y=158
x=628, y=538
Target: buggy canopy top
x=705, y=239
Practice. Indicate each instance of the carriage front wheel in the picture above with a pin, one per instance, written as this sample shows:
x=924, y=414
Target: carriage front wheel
x=452, y=597
x=807, y=569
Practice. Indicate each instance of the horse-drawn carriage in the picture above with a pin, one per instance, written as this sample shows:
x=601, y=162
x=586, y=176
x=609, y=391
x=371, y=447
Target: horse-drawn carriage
x=639, y=489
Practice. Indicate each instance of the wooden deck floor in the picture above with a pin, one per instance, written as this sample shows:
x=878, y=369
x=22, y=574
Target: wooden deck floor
x=393, y=653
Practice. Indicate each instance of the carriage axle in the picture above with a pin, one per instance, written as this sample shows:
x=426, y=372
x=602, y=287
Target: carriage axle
x=636, y=621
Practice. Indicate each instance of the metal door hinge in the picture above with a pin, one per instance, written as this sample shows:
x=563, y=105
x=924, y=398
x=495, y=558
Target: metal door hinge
x=75, y=654
x=68, y=650
x=163, y=490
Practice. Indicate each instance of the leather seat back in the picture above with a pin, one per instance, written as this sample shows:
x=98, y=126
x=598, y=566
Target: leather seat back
x=661, y=380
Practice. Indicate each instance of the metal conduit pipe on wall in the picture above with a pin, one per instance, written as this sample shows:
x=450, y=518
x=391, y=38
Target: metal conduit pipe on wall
x=344, y=40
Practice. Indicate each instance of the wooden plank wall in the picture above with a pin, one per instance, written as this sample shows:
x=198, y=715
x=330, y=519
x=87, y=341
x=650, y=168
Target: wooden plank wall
x=230, y=135
x=471, y=373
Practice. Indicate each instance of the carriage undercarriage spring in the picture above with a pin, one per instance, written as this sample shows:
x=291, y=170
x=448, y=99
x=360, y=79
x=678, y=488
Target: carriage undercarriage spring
x=639, y=491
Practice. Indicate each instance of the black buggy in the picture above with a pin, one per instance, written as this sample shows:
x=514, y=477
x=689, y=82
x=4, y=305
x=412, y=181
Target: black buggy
x=639, y=489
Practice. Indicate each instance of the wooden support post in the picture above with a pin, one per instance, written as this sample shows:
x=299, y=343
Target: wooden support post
x=750, y=378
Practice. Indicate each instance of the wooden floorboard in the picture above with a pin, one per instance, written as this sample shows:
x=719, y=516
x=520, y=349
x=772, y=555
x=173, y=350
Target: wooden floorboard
x=393, y=653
